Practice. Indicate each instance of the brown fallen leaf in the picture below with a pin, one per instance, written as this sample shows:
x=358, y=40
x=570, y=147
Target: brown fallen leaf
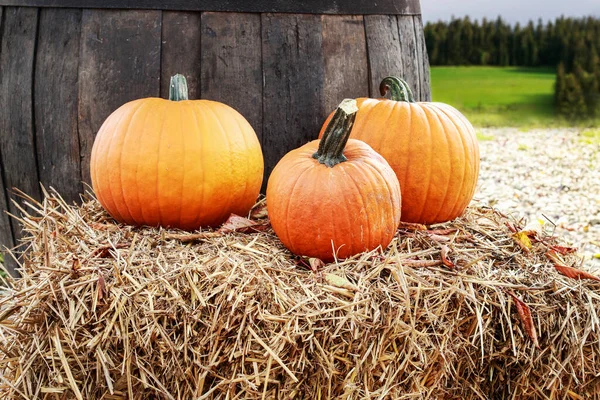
x=526, y=318
x=409, y=226
x=316, y=264
x=445, y=260
x=236, y=223
x=101, y=287
x=260, y=211
x=439, y=238
x=567, y=271
x=563, y=250
x=104, y=251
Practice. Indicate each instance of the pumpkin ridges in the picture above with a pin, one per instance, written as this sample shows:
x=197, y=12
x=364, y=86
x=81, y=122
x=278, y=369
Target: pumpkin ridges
x=446, y=187
x=291, y=198
x=111, y=143
x=459, y=203
x=124, y=199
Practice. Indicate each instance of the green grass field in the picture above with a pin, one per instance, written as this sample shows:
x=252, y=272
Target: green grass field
x=498, y=96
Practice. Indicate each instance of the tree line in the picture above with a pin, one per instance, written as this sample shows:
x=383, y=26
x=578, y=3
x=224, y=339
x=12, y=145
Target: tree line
x=571, y=45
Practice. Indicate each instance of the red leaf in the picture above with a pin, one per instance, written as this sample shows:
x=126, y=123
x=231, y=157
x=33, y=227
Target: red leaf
x=526, y=318
x=574, y=273
x=444, y=253
x=567, y=271
x=563, y=250
x=235, y=223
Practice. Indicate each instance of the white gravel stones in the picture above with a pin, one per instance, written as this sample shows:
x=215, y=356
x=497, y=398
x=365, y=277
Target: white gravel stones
x=548, y=174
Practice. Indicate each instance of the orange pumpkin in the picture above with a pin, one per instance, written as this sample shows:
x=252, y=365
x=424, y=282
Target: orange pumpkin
x=176, y=163
x=335, y=197
x=432, y=148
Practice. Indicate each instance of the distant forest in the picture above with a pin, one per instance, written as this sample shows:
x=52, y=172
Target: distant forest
x=571, y=45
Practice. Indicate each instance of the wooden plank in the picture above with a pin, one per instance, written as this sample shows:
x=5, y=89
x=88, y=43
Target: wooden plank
x=180, y=52
x=346, y=67
x=422, y=59
x=294, y=78
x=408, y=54
x=384, y=53
x=17, y=144
x=232, y=63
x=55, y=102
x=119, y=62
x=360, y=7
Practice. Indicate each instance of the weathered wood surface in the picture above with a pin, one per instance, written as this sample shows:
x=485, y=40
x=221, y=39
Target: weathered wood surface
x=232, y=63
x=293, y=87
x=404, y=7
x=55, y=101
x=64, y=70
x=383, y=43
x=181, y=50
x=119, y=62
x=346, y=72
x=17, y=140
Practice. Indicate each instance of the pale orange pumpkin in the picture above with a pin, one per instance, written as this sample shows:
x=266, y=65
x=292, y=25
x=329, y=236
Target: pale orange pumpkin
x=432, y=148
x=334, y=197
x=176, y=163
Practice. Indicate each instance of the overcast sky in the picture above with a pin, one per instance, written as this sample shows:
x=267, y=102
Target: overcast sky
x=511, y=10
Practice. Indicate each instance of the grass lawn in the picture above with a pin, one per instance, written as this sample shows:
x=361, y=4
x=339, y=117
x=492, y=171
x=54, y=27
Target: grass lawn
x=498, y=96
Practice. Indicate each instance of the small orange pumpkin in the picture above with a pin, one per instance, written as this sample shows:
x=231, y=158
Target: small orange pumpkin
x=432, y=148
x=176, y=163
x=334, y=197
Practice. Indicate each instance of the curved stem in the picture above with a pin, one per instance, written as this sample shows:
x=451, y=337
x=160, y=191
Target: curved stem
x=335, y=137
x=178, y=89
x=400, y=91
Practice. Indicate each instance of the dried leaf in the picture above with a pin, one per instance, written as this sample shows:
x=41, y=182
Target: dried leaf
x=533, y=228
x=259, y=212
x=526, y=318
x=409, y=226
x=76, y=265
x=101, y=287
x=104, y=251
x=563, y=250
x=236, y=223
x=339, y=281
x=439, y=238
x=316, y=264
x=574, y=273
x=445, y=260
x=567, y=271
x=522, y=239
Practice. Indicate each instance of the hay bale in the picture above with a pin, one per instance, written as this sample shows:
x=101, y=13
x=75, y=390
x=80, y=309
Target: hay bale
x=458, y=310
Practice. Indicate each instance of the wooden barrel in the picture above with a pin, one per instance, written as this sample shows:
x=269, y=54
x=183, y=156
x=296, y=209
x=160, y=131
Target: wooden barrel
x=67, y=64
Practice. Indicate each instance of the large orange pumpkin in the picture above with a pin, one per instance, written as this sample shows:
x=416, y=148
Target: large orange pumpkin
x=176, y=163
x=334, y=197
x=432, y=148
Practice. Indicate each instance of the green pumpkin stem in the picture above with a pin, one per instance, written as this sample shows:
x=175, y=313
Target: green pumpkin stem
x=398, y=88
x=178, y=89
x=335, y=137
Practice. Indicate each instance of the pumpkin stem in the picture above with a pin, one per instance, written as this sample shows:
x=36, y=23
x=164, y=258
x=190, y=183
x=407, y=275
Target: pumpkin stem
x=399, y=89
x=178, y=89
x=335, y=137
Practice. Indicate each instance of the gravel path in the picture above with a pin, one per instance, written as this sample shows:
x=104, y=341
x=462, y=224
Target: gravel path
x=552, y=175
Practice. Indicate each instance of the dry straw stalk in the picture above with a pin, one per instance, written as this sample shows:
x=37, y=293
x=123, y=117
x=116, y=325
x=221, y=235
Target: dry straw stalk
x=106, y=311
